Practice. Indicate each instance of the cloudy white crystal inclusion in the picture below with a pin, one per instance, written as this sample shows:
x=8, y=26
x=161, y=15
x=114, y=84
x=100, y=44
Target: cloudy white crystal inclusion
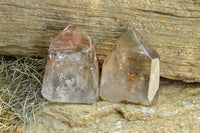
x=72, y=56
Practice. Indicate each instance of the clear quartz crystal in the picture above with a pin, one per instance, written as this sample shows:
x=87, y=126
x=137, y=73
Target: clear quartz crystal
x=71, y=73
x=131, y=72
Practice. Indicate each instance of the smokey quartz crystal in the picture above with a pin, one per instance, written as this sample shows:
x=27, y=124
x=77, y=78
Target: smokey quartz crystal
x=131, y=72
x=71, y=73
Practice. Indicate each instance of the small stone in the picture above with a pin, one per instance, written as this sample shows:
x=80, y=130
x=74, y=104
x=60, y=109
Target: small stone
x=71, y=73
x=131, y=72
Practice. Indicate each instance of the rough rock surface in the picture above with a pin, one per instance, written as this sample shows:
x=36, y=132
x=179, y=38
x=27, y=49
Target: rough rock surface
x=178, y=110
x=170, y=26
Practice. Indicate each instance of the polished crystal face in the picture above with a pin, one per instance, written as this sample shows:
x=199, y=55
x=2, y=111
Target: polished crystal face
x=71, y=73
x=131, y=72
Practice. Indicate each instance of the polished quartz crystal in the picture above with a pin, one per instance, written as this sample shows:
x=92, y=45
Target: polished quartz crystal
x=71, y=73
x=131, y=72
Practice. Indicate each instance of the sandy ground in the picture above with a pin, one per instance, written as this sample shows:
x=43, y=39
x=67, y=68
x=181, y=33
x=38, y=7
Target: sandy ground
x=177, y=111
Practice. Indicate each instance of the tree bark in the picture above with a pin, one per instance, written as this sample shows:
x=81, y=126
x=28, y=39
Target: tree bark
x=171, y=27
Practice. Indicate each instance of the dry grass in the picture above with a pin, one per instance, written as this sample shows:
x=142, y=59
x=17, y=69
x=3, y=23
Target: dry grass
x=20, y=86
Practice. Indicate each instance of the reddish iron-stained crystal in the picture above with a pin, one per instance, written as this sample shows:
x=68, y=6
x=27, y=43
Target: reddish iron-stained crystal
x=131, y=72
x=71, y=73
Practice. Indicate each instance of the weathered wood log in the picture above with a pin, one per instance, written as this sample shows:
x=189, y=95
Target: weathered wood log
x=172, y=27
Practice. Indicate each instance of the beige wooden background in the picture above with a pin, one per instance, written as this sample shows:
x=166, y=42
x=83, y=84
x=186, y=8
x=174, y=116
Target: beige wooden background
x=171, y=27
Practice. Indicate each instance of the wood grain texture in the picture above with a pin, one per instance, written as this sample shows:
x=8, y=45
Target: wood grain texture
x=172, y=27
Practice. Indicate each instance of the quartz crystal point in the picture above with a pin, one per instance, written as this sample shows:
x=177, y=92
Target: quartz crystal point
x=131, y=72
x=71, y=73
